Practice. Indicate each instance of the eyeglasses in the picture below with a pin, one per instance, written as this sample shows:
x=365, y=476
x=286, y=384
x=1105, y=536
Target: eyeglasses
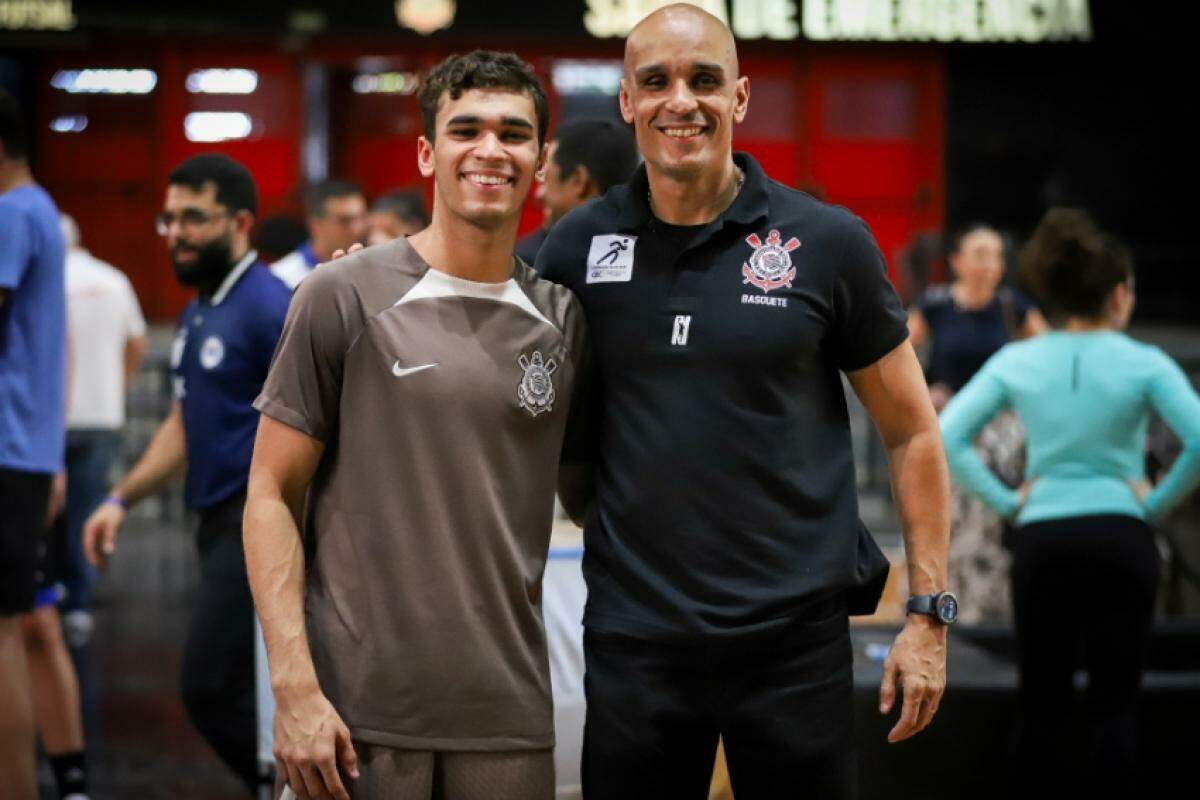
x=188, y=218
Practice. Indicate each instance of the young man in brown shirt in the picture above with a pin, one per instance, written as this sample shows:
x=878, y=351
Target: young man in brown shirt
x=412, y=426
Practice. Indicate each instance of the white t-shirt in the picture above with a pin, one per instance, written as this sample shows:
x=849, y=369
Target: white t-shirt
x=102, y=313
x=292, y=268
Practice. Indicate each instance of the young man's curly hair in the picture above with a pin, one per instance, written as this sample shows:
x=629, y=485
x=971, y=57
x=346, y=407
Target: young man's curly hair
x=481, y=69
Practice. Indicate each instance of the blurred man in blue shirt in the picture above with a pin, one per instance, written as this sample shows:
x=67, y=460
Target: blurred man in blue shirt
x=33, y=366
x=219, y=360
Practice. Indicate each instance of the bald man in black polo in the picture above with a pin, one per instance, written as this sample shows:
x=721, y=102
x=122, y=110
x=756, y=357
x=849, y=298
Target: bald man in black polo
x=723, y=548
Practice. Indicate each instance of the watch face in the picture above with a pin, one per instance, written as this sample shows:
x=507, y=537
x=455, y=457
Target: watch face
x=947, y=607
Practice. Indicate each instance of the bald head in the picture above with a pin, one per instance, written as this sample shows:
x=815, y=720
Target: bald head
x=708, y=37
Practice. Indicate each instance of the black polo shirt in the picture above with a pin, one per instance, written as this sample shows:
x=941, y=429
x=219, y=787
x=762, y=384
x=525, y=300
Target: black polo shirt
x=725, y=496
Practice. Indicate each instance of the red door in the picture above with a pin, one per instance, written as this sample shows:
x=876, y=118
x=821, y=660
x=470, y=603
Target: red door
x=873, y=139
x=105, y=156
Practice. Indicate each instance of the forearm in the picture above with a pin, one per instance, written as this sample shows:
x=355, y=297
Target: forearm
x=135, y=351
x=921, y=489
x=275, y=565
x=163, y=459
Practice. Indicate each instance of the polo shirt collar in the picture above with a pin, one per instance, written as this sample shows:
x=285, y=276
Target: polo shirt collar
x=748, y=207
x=232, y=278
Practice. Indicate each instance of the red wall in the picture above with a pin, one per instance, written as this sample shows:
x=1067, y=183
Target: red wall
x=861, y=125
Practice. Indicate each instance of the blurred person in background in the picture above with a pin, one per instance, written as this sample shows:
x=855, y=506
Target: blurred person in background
x=108, y=342
x=279, y=236
x=969, y=319
x=395, y=214
x=964, y=323
x=218, y=361
x=33, y=375
x=723, y=547
x=587, y=157
x=1085, y=565
x=336, y=215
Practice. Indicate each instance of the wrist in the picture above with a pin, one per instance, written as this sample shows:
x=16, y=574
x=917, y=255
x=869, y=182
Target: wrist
x=292, y=688
x=115, y=499
x=939, y=609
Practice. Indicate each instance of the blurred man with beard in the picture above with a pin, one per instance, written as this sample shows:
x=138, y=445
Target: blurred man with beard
x=219, y=362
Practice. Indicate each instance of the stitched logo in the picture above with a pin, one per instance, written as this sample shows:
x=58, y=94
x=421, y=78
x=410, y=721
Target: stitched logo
x=535, y=392
x=770, y=265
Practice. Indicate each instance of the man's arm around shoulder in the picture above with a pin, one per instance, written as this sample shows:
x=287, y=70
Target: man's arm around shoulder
x=894, y=393
x=311, y=740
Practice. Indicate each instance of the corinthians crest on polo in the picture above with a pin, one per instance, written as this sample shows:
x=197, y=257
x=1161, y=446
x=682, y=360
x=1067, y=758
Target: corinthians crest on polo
x=535, y=392
x=770, y=265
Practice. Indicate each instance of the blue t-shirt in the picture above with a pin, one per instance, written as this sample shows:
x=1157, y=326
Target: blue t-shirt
x=222, y=350
x=962, y=339
x=1085, y=400
x=33, y=333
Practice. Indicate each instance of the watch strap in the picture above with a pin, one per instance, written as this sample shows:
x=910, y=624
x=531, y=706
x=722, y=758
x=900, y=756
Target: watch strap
x=923, y=604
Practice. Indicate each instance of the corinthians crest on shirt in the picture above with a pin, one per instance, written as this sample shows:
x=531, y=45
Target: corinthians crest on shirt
x=769, y=267
x=535, y=392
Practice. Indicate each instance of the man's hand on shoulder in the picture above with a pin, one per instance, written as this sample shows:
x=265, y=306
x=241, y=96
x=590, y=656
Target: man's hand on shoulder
x=354, y=248
x=312, y=743
x=917, y=663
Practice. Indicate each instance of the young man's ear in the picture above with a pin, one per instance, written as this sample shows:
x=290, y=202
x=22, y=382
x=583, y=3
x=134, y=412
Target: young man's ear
x=543, y=161
x=425, y=157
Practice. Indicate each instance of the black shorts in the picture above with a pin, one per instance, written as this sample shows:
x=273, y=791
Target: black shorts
x=23, y=499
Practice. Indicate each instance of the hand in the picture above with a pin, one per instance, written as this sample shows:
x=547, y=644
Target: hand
x=1141, y=489
x=1023, y=494
x=100, y=533
x=58, y=498
x=354, y=248
x=917, y=661
x=311, y=743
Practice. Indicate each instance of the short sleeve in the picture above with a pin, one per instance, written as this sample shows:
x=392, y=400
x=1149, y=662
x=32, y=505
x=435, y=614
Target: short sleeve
x=583, y=420
x=869, y=319
x=135, y=323
x=16, y=246
x=303, y=385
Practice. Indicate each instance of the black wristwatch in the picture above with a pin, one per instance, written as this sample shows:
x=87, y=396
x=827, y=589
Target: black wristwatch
x=943, y=607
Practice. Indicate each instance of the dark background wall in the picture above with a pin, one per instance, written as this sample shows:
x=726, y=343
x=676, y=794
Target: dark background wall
x=1106, y=127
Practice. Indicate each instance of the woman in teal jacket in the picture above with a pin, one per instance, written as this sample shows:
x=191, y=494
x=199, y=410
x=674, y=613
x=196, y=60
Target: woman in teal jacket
x=1085, y=567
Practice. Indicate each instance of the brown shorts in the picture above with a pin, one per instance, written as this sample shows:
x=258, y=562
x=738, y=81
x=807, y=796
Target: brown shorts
x=385, y=773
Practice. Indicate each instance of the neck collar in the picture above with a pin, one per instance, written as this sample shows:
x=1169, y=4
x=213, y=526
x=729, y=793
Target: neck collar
x=235, y=274
x=749, y=206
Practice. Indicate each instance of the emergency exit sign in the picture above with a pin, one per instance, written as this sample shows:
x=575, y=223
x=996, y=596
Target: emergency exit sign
x=869, y=20
x=36, y=15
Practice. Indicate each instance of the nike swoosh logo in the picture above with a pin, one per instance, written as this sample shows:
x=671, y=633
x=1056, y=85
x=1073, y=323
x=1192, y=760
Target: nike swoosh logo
x=400, y=372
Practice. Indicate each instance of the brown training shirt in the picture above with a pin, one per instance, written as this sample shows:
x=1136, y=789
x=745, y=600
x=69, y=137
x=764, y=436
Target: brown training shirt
x=443, y=406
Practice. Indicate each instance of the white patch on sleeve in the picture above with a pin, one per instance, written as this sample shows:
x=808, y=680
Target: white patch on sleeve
x=610, y=259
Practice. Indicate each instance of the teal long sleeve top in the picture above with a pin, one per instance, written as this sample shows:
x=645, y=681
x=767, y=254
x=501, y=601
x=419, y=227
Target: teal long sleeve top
x=1085, y=400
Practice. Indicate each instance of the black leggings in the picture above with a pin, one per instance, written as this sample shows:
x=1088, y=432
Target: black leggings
x=218, y=655
x=1082, y=586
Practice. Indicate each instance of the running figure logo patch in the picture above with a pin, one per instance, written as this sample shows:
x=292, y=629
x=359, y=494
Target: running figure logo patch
x=770, y=265
x=610, y=258
x=535, y=392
